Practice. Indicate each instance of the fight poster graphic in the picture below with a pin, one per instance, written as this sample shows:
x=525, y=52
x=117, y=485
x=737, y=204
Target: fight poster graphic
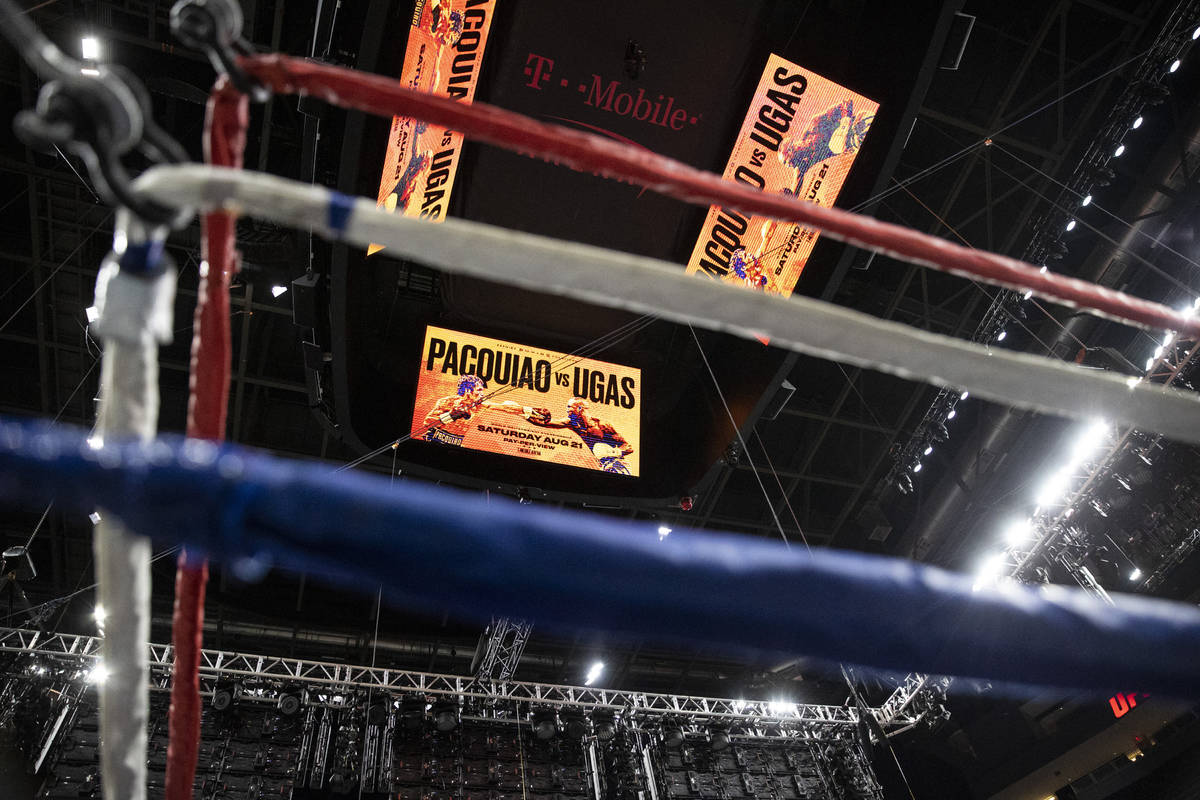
x=500, y=397
x=800, y=137
x=446, y=41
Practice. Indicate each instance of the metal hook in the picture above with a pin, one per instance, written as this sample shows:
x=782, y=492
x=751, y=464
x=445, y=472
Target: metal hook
x=215, y=27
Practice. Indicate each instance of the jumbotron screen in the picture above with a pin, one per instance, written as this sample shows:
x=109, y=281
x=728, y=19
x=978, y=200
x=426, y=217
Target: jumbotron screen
x=501, y=397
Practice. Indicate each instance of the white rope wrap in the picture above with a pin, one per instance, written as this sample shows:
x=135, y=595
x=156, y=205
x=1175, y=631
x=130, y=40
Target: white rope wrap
x=647, y=285
x=135, y=315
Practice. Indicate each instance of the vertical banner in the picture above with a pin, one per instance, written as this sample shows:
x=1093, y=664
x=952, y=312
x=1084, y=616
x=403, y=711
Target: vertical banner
x=800, y=137
x=502, y=397
x=446, y=41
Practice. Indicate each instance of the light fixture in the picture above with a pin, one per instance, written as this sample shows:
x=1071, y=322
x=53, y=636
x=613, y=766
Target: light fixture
x=1135, y=575
x=989, y=569
x=575, y=725
x=594, y=673
x=100, y=614
x=1149, y=362
x=605, y=726
x=1071, y=225
x=917, y=467
x=964, y=395
x=545, y=724
x=98, y=674
x=445, y=716
x=718, y=739
x=1196, y=34
x=1087, y=200
x=92, y=71
x=1018, y=531
x=1044, y=269
x=89, y=48
x=663, y=532
x=94, y=517
x=953, y=413
x=1174, y=65
x=1054, y=488
x=1028, y=292
x=781, y=708
x=1120, y=149
x=1002, y=336
x=278, y=290
x=928, y=449
x=672, y=735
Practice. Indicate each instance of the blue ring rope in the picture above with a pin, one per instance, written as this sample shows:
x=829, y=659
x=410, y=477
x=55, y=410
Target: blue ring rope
x=437, y=549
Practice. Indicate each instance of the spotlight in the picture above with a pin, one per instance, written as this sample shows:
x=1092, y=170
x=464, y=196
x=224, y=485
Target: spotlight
x=1054, y=488
x=964, y=395
x=89, y=48
x=1196, y=34
x=718, y=739
x=288, y=703
x=989, y=569
x=672, y=735
x=1135, y=575
x=1119, y=151
x=98, y=674
x=928, y=449
x=412, y=713
x=575, y=726
x=1087, y=200
x=89, y=71
x=445, y=716
x=605, y=726
x=92, y=314
x=545, y=724
x=663, y=532
x=954, y=412
x=222, y=699
x=1028, y=294
x=1174, y=65
x=1018, y=532
x=686, y=503
x=917, y=467
x=95, y=517
x=278, y=290
x=594, y=673
x=1137, y=123
x=1000, y=337
x=1071, y=223
x=523, y=496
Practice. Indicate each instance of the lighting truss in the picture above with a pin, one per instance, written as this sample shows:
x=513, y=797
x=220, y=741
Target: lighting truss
x=1054, y=535
x=505, y=644
x=334, y=684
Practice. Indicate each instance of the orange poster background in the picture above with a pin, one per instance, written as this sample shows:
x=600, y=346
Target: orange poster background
x=800, y=136
x=614, y=398
x=446, y=40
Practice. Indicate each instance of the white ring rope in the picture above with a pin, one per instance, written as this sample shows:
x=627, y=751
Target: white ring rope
x=648, y=285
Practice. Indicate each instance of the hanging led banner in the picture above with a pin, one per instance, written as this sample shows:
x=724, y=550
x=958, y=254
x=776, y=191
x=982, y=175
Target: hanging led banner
x=800, y=136
x=446, y=41
x=513, y=399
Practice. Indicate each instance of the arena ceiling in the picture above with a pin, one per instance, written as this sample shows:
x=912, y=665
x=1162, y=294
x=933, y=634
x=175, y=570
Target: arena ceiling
x=981, y=165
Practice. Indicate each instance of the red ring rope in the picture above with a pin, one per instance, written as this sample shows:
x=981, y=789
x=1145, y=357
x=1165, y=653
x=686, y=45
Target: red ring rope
x=224, y=143
x=590, y=153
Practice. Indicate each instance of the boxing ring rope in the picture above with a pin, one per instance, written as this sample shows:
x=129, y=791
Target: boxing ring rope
x=822, y=330
x=592, y=153
x=643, y=284
x=438, y=549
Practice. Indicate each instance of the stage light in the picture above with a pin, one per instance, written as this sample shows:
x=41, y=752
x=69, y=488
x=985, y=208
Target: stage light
x=89, y=71
x=780, y=708
x=278, y=290
x=964, y=395
x=954, y=412
x=605, y=726
x=1089, y=440
x=928, y=449
x=1018, y=532
x=288, y=703
x=663, y=532
x=92, y=314
x=594, y=673
x=1120, y=149
x=98, y=674
x=718, y=739
x=904, y=483
x=1054, y=488
x=1002, y=336
x=545, y=724
x=1149, y=362
x=1196, y=34
x=1071, y=225
x=1135, y=575
x=89, y=47
x=917, y=467
x=1137, y=123
x=1174, y=65
x=672, y=736
x=1087, y=200
x=445, y=716
x=989, y=569
x=575, y=726
x=1028, y=293
x=95, y=517
x=100, y=614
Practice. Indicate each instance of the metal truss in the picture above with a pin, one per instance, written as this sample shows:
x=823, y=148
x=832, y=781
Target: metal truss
x=1056, y=539
x=506, y=640
x=332, y=681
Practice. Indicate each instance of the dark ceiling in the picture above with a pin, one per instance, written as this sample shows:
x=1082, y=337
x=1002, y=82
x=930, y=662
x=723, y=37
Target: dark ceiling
x=1046, y=76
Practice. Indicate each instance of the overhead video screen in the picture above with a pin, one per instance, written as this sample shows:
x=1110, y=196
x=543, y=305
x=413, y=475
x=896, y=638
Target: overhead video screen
x=800, y=137
x=487, y=394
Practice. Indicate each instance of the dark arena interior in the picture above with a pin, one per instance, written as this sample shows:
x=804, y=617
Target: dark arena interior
x=511, y=518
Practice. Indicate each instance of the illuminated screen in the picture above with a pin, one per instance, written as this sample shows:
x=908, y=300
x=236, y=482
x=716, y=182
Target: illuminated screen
x=500, y=397
x=800, y=136
x=445, y=48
